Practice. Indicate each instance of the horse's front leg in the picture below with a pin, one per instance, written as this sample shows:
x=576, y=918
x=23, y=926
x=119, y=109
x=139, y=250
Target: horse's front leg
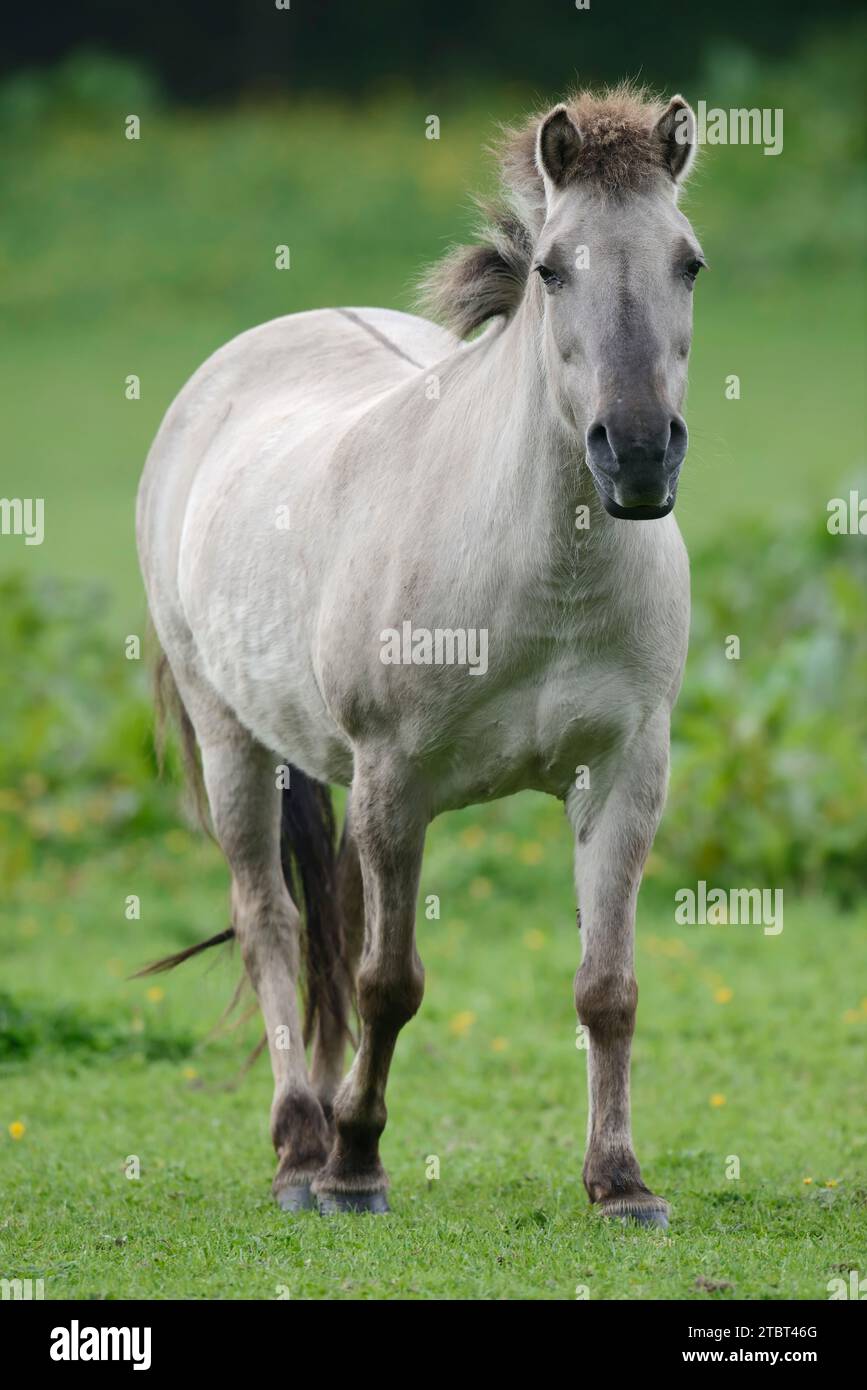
x=388, y=826
x=612, y=843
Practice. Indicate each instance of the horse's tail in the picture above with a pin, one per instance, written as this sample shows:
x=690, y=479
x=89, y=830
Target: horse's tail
x=169, y=709
x=308, y=857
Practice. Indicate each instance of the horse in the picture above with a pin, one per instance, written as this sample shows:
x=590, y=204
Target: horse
x=333, y=480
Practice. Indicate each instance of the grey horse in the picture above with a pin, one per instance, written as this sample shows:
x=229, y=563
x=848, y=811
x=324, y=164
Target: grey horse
x=438, y=565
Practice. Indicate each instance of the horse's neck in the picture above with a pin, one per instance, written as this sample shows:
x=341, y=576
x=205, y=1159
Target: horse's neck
x=509, y=462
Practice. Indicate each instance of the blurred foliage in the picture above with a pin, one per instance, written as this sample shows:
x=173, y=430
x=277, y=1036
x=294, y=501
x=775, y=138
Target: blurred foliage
x=192, y=211
x=768, y=782
x=88, y=85
x=77, y=768
x=243, y=46
x=806, y=206
x=81, y=1035
x=768, y=773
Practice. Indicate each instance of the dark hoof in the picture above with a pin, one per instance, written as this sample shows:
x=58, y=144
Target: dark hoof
x=296, y=1197
x=631, y=1212
x=332, y=1203
x=649, y=1218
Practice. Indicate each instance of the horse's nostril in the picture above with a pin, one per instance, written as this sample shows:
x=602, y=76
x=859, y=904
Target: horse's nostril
x=600, y=450
x=677, y=442
x=597, y=436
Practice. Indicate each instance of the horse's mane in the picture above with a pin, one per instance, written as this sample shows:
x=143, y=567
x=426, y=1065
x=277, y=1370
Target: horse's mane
x=472, y=284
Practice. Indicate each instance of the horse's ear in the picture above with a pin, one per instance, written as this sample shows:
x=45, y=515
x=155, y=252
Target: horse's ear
x=557, y=146
x=676, y=132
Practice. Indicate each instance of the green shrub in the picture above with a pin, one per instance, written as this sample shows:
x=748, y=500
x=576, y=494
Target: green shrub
x=77, y=766
x=768, y=777
x=86, y=86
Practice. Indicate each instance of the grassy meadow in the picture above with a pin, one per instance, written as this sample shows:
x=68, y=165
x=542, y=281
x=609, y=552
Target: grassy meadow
x=141, y=257
x=748, y=1046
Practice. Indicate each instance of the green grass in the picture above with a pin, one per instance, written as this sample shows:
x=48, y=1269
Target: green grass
x=487, y=1078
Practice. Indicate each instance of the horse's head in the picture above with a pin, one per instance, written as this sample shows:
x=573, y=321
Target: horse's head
x=618, y=262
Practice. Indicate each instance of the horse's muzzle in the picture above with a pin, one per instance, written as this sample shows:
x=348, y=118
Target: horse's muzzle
x=636, y=476
x=643, y=511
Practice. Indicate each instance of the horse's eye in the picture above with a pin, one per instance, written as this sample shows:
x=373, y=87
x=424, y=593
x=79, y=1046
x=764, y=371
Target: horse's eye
x=691, y=269
x=550, y=279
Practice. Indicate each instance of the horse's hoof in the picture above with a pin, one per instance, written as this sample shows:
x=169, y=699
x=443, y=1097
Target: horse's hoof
x=650, y=1218
x=332, y=1203
x=295, y=1197
x=631, y=1211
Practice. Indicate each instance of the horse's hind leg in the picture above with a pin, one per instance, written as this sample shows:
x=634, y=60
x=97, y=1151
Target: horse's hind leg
x=388, y=825
x=245, y=806
x=610, y=855
x=329, y=1040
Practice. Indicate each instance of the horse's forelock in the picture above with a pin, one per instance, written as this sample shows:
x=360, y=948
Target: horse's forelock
x=619, y=154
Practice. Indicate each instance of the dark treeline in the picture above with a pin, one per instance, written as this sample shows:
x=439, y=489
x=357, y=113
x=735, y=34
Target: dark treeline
x=204, y=50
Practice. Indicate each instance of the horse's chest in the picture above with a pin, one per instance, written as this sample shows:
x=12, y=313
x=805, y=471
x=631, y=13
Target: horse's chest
x=570, y=674
x=550, y=726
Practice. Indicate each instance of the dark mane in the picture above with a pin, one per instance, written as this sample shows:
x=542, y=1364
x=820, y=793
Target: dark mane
x=472, y=284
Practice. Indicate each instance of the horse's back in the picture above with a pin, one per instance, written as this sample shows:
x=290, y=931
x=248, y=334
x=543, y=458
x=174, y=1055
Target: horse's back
x=268, y=390
x=337, y=361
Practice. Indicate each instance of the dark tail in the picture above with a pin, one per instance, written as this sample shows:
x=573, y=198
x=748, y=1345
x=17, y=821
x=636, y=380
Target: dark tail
x=308, y=855
x=169, y=962
x=169, y=709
